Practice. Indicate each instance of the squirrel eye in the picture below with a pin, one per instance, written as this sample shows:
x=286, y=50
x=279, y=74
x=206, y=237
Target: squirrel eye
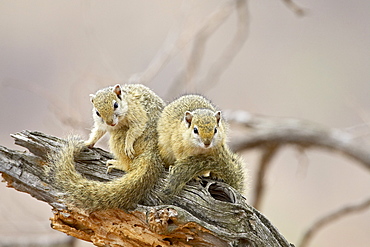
x=115, y=105
x=196, y=130
x=97, y=113
x=215, y=130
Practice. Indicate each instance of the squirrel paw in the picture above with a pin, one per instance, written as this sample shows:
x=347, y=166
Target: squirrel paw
x=89, y=144
x=129, y=151
x=109, y=169
x=110, y=165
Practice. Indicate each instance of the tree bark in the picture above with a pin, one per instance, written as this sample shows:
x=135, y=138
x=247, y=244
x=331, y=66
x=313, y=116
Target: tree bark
x=206, y=213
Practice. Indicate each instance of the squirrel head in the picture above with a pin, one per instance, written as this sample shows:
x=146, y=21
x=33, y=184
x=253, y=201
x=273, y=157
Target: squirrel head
x=204, y=128
x=109, y=105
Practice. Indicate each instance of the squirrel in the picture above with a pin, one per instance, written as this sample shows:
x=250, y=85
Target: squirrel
x=192, y=142
x=124, y=112
x=188, y=136
x=129, y=114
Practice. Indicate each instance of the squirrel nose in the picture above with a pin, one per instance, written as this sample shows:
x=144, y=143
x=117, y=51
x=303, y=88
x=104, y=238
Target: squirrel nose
x=207, y=143
x=111, y=123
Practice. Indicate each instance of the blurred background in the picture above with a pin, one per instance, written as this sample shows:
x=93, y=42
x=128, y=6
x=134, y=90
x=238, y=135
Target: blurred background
x=53, y=54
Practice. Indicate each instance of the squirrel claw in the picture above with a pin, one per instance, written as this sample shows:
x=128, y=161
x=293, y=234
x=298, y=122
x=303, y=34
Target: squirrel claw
x=130, y=152
x=110, y=165
x=109, y=169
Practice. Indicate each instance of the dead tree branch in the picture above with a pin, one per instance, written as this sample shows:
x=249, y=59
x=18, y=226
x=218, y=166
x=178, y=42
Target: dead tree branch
x=304, y=134
x=267, y=155
x=333, y=216
x=198, y=217
x=231, y=50
x=211, y=24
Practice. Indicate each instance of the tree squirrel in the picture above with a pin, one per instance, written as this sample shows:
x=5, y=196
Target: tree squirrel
x=188, y=136
x=192, y=142
x=124, y=112
x=129, y=114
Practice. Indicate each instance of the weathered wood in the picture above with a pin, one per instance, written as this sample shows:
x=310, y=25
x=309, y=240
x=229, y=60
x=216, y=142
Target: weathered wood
x=207, y=213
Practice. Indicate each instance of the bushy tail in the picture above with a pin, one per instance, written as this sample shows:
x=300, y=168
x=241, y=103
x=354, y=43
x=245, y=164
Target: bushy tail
x=124, y=193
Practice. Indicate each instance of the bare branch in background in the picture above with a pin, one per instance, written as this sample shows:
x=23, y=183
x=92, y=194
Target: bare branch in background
x=173, y=47
x=199, y=35
x=305, y=134
x=331, y=217
x=294, y=7
x=211, y=24
x=267, y=155
x=230, y=52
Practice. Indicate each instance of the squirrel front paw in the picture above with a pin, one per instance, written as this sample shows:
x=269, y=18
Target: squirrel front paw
x=110, y=165
x=89, y=144
x=129, y=151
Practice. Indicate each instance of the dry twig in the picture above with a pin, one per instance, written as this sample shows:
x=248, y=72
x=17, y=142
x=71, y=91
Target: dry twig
x=331, y=217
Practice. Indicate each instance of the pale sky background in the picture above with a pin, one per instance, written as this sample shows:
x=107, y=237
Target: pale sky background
x=53, y=54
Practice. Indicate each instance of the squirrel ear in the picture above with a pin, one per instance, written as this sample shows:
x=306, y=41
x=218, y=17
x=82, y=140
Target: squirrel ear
x=117, y=90
x=188, y=117
x=218, y=116
x=92, y=96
